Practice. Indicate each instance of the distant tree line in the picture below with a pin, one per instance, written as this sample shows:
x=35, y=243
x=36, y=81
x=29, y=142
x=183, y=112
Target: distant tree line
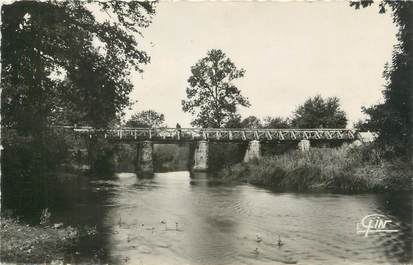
x=316, y=112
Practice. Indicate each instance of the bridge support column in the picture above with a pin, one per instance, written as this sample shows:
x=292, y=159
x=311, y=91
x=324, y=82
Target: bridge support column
x=201, y=156
x=253, y=151
x=304, y=145
x=145, y=162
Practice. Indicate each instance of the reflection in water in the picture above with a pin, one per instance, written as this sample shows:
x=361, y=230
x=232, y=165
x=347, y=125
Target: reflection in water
x=175, y=219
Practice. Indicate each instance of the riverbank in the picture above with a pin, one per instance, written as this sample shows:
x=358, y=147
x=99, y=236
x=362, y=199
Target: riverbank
x=341, y=169
x=21, y=243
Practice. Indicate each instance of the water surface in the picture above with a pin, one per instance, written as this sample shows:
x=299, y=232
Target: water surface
x=175, y=219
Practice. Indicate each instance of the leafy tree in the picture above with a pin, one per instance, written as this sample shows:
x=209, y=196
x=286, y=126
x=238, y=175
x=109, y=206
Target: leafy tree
x=61, y=65
x=393, y=119
x=374, y=120
x=147, y=119
x=211, y=95
x=275, y=123
x=317, y=112
x=234, y=121
x=251, y=122
x=45, y=40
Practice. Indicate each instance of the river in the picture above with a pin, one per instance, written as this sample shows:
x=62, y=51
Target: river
x=176, y=219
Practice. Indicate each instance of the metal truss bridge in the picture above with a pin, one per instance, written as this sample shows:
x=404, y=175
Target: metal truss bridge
x=215, y=134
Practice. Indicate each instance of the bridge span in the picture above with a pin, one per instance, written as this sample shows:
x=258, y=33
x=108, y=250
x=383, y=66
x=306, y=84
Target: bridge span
x=146, y=137
x=216, y=134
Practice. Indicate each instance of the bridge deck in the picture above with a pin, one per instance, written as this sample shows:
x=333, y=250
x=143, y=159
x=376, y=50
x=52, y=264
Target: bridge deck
x=221, y=134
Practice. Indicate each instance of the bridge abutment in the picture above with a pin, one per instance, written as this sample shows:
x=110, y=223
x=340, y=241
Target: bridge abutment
x=304, y=145
x=253, y=151
x=201, y=157
x=145, y=161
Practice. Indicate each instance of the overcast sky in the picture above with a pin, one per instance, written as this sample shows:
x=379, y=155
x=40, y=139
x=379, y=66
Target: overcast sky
x=290, y=51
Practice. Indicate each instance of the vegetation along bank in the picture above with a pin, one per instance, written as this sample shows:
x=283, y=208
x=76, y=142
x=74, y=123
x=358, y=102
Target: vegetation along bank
x=342, y=169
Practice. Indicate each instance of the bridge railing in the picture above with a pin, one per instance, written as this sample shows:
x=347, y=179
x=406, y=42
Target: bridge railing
x=218, y=134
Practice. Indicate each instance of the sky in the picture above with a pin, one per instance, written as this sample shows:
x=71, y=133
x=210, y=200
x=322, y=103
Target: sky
x=290, y=51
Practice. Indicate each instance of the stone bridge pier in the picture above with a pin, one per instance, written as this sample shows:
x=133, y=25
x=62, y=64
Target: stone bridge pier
x=304, y=145
x=145, y=161
x=201, y=157
x=253, y=151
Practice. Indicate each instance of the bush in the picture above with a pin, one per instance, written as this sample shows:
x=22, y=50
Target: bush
x=28, y=167
x=21, y=243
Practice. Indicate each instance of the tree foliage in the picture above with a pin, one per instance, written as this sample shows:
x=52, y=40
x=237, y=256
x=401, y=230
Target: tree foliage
x=251, y=122
x=393, y=119
x=60, y=64
x=255, y=123
x=212, y=96
x=146, y=119
x=375, y=115
x=317, y=112
x=234, y=121
x=275, y=123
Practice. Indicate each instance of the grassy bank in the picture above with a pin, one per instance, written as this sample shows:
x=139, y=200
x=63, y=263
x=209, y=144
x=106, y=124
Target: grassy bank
x=325, y=169
x=34, y=244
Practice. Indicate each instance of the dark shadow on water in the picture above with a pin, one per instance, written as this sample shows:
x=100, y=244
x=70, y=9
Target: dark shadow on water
x=34, y=179
x=398, y=207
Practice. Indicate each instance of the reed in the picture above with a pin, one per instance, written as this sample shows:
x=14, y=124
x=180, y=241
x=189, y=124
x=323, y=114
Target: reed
x=340, y=169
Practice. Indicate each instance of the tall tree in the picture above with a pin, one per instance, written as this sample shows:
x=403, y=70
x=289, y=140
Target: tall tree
x=317, y=112
x=394, y=118
x=212, y=97
x=146, y=119
x=40, y=39
x=60, y=64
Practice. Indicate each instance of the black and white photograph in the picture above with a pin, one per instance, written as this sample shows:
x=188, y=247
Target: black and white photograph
x=206, y=132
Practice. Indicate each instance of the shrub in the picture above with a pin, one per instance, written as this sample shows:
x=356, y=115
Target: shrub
x=28, y=167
